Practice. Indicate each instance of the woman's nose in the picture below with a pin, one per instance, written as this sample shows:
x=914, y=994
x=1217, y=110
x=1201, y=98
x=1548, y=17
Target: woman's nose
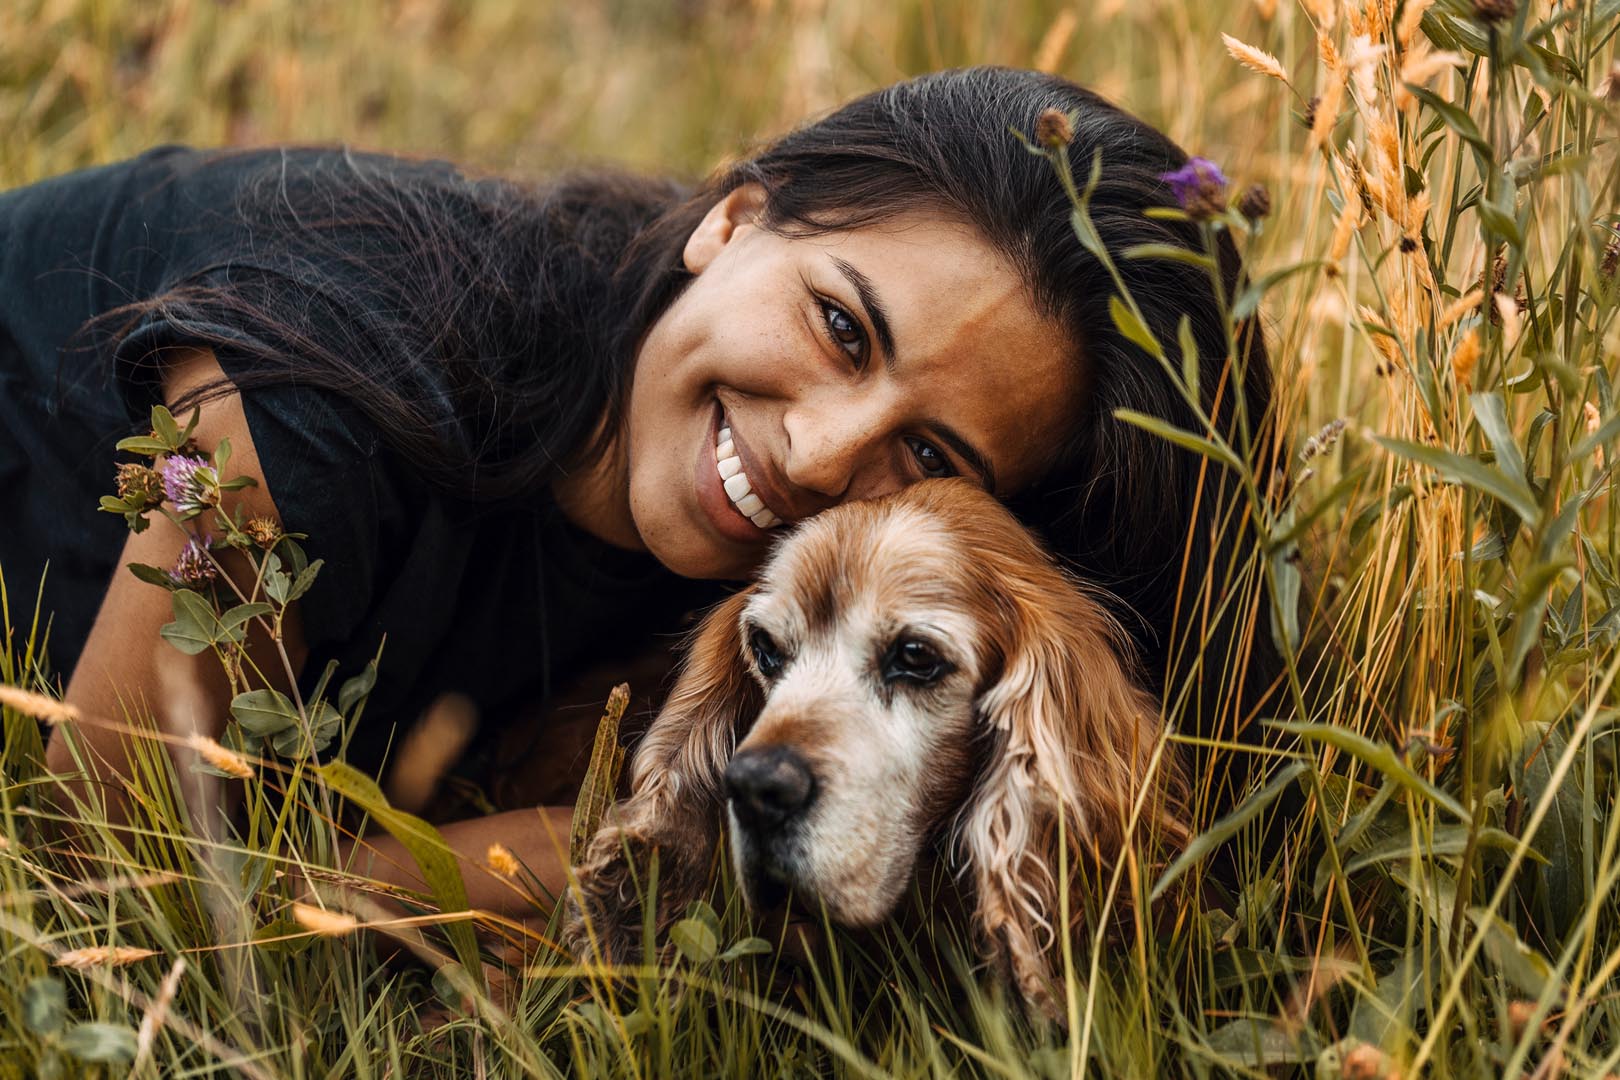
x=827, y=444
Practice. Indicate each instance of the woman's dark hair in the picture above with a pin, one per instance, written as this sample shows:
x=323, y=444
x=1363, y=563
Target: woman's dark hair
x=503, y=322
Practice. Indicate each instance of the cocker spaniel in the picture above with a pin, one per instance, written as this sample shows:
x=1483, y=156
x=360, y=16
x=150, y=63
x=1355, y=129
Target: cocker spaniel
x=907, y=671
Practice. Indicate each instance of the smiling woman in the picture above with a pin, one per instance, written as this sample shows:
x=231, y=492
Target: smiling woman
x=523, y=424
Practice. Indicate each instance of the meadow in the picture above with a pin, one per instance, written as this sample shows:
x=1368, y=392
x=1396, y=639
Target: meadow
x=1437, y=558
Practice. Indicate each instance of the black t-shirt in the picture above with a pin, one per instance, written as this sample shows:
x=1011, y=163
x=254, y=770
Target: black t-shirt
x=499, y=604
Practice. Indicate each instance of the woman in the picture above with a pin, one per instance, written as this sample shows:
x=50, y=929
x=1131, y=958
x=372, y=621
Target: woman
x=513, y=421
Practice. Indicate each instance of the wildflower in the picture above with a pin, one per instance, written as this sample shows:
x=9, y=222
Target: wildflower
x=220, y=757
x=39, y=706
x=1495, y=11
x=194, y=569
x=98, y=955
x=139, y=485
x=1255, y=202
x=188, y=482
x=501, y=860
x=1054, y=129
x=324, y=922
x=1464, y=358
x=263, y=531
x=1199, y=186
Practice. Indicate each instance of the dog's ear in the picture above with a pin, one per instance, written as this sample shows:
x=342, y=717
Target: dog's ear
x=675, y=797
x=1074, y=737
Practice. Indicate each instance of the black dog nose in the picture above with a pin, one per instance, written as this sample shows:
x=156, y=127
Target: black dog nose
x=768, y=786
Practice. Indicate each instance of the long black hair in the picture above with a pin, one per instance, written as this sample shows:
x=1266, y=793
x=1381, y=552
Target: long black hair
x=495, y=338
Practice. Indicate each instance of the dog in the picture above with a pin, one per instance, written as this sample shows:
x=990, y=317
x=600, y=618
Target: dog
x=904, y=672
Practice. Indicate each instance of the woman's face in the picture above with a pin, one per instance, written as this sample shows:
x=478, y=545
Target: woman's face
x=841, y=366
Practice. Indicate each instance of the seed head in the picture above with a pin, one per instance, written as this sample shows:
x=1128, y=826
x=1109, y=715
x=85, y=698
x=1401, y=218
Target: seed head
x=1053, y=129
x=1495, y=11
x=1308, y=117
x=324, y=921
x=102, y=955
x=1464, y=358
x=1255, y=202
x=39, y=706
x=263, y=531
x=139, y=485
x=502, y=861
x=220, y=757
x=1199, y=186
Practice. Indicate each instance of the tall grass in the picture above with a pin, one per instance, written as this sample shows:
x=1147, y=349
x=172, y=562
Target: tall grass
x=1438, y=281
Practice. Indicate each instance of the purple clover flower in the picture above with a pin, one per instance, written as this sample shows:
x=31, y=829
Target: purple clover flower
x=1199, y=186
x=182, y=485
x=194, y=569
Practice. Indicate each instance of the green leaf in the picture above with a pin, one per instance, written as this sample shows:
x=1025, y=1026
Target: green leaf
x=1189, y=355
x=352, y=690
x=301, y=583
x=1170, y=252
x=1130, y=324
x=1187, y=440
x=165, y=429
x=748, y=946
x=1469, y=472
x=195, y=627
x=1227, y=827
x=221, y=456
x=264, y=712
x=241, y=613
x=695, y=939
x=425, y=844
x=152, y=575
x=44, y=1004
x=1561, y=882
x=1380, y=757
x=1447, y=840
x=1261, y=1042
x=142, y=444
x=95, y=1041
x=1456, y=119
x=1603, y=435
x=1493, y=420
x=1285, y=577
x=1519, y=963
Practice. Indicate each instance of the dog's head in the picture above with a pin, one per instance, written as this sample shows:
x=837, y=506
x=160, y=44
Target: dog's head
x=905, y=670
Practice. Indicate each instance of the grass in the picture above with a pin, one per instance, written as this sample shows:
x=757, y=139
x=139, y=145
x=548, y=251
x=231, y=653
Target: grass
x=1438, y=282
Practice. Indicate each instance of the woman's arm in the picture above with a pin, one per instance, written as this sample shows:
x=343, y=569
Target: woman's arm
x=125, y=667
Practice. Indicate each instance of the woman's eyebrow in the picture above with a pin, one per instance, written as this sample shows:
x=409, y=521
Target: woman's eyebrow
x=876, y=313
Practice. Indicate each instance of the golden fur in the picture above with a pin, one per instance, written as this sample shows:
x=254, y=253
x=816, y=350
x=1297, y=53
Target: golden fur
x=1040, y=729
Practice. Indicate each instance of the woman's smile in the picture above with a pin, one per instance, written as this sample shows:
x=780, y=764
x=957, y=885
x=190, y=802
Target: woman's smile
x=733, y=487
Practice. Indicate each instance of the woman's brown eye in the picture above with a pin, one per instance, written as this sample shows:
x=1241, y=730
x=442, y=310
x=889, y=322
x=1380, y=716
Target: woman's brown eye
x=929, y=459
x=845, y=332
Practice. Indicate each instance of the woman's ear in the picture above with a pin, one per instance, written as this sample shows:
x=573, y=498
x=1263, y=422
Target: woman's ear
x=675, y=799
x=740, y=206
x=1075, y=737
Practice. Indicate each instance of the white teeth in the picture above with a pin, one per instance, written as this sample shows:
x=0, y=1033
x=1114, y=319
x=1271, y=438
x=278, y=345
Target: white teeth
x=738, y=488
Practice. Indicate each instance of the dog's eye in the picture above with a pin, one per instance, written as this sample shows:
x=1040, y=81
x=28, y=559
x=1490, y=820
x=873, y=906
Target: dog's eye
x=915, y=661
x=767, y=656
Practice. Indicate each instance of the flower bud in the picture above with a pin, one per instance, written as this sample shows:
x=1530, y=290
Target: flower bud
x=1255, y=202
x=1053, y=129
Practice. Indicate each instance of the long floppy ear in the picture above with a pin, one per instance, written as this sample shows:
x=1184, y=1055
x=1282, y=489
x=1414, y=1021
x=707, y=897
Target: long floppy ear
x=675, y=797
x=1075, y=740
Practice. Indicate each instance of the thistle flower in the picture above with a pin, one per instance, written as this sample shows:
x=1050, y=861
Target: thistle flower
x=263, y=531
x=1255, y=202
x=188, y=482
x=1053, y=129
x=502, y=861
x=139, y=485
x=194, y=569
x=99, y=955
x=1495, y=11
x=1199, y=186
